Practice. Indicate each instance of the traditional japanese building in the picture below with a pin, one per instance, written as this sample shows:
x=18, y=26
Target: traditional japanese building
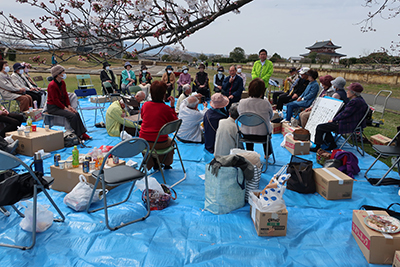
x=325, y=48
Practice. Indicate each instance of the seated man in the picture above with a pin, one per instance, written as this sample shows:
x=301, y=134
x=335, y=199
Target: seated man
x=115, y=120
x=190, y=130
x=232, y=87
x=287, y=84
x=225, y=138
x=187, y=90
x=297, y=89
x=212, y=117
x=132, y=105
x=306, y=98
x=345, y=121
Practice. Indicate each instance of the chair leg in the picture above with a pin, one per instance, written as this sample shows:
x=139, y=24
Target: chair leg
x=55, y=206
x=183, y=168
x=161, y=170
x=391, y=168
x=4, y=211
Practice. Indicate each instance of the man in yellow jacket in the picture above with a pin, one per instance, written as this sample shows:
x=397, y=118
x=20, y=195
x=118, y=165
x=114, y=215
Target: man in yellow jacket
x=262, y=68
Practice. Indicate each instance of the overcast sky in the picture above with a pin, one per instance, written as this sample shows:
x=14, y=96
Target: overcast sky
x=285, y=27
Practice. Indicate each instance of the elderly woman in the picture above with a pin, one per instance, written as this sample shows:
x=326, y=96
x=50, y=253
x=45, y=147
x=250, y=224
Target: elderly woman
x=21, y=81
x=145, y=80
x=345, y=121
x=327, y=90
x=256, y=103
x=169, y=78
x=200, y=84
x=338, y=89
x=128, y=78
x=58, y=102
x=154, y=115
x=218, y=79
x=184, y=78
x=107, y=75
x=9, y=91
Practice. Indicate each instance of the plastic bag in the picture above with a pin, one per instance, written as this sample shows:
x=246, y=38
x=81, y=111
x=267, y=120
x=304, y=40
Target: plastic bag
x=44, y=218
x=153, y=185
x=78, y=198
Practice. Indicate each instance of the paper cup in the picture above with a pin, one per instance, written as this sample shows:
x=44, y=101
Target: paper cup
x=47, y=127
x=33, y=128
x=68, y=164
x=61, y=164
x=20, y=132
x=27, y=132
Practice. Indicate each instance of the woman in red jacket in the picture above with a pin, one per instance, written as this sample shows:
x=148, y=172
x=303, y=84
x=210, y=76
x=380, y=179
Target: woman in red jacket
x=154, y=115
x=58, y=102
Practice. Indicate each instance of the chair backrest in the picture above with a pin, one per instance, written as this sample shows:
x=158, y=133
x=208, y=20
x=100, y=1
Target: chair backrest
x=250, y=119
x=85, y=92
x=8, y=161
x=130, y=148
x=168, y=128
x=360, y=123
x=39, y=79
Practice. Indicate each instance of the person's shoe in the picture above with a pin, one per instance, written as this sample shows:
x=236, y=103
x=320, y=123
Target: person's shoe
x=85, y=137
x=167, y=167
x=315, y=149
x=156, y=167
x=11, y=148
x=331, y=146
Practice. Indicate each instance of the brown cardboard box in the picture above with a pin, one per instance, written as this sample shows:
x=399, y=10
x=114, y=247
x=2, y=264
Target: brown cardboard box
x=267, y=223
x=275, y=116
x=41, y=139
x=245, y=94
x=379, y=139
x=296, y=147
x=396, y=260
x=333, y=184
x=66, y=179
x=377, y=248
x=286, y=128
x=35, y=114
x=104, y=99
x=276, y=128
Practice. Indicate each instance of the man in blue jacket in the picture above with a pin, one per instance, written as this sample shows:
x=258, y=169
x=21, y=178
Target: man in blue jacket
x=232, y=87
x=307, y=97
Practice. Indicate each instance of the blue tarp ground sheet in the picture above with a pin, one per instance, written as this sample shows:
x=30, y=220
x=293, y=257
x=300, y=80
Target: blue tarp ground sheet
x=184, y=234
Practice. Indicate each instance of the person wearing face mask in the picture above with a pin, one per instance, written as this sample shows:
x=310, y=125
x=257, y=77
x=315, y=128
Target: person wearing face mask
x=169, y=78
x=107, y=75
x=9, y=91
x=145, y=80
x=20, y=81
x=338, y=89
x=58, y=102
x=218, y=79
x=200, y=84
x=128, y=78
x=184, y=78
x=241, y=74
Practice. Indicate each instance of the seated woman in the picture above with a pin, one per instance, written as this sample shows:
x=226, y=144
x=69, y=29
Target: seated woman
x=212, y=117
x=11, y=120
x=218, y=79
x=200, y=84
x=20, y=81
x=9, y=91
x=58, y=102
x=256, y=103
x=184, y=78
x=107, y=75
x=345, y=121
x=338, y=89
x=154, y=115
x=145, y=80
x=128, y=79
x=169, y=78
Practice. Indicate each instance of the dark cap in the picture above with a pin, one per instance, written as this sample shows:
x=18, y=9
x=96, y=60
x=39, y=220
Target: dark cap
x=105, y=64
x=18, y=66
x=292, y=69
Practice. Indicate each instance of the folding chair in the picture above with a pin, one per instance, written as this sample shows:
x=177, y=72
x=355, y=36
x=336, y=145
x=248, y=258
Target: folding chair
x=8, y=161
x=250, y=119
x=356, y=135
x=168, y=128
x=86, y=93
x=84, y=81
x=388, y=150
x=40, y=79
x=122, y=174
x=110, y=96
x=10, y=105
x=134, y=111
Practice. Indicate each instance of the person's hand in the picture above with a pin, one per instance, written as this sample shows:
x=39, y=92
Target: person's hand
x=198, y=96
x=22, y=90
x=330, y=121
x=72, y=109
x=220, y=87
x=201, y=86
x=295, y=96
x=171, y=100
x=109, y=81
x=230, y=97
x=299, y=99
x=231, y=79
x=307, y=109
x=205, y=104
x=123, y=115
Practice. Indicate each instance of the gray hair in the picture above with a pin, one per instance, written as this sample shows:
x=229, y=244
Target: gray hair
x=233, y=111
x=186, y=87
x=141, y=93
x=192, y=101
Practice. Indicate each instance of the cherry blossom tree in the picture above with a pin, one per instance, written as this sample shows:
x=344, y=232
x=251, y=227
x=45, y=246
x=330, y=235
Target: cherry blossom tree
x=92, y=26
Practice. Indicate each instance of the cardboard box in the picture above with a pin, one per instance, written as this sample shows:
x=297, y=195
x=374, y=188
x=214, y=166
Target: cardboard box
x=287, y=128
x=267, y=223
x=379, y=139
x=333, y=184
x=104, y=99
x=41, y=139
x=66, y=179
x=276, y=128
x=245, y=94
x=377, y=248
x=296, y=147
x=396, y=260
x=275, y=116
x=35, y=114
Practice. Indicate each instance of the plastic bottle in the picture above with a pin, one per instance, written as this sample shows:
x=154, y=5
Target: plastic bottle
x=35, y=104
x=29, y=122
x=75, y=157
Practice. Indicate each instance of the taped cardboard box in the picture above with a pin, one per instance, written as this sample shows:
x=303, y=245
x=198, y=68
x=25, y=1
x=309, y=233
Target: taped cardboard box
x=275, y=116
x=104, y=99
x=268, y=223
x=41, y=139
x=296, y=147
x=287, y=128
x=378, y=248
x=396, y=260
x=35, y=114
x=276, y=128
x=333, y=184
x=66, y=179
x=379, y=139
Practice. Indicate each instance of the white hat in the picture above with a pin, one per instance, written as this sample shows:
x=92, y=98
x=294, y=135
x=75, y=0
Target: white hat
x=304, y=70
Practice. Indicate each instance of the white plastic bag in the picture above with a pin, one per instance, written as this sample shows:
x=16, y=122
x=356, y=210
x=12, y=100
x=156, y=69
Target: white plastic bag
x=78, y=198
x=9, y=139
x=153, y=184
x=44, y=218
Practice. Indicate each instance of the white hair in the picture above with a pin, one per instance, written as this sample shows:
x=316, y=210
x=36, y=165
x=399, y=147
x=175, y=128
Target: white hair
x=192, y=101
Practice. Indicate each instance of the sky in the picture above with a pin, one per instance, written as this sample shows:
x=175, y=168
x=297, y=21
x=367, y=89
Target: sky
x=285, y=27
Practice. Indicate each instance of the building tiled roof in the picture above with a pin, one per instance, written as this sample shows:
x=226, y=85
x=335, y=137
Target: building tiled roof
x=329, y=54
x=327, y=44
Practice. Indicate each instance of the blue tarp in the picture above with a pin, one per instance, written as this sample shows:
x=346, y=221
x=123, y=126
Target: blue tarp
x=318, y=230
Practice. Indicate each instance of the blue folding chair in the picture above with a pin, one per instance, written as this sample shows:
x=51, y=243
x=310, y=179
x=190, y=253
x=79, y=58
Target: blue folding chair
x=86, y=93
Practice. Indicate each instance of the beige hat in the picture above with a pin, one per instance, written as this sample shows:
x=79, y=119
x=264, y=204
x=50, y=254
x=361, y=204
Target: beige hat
x=219, y=101
x=57, y=69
